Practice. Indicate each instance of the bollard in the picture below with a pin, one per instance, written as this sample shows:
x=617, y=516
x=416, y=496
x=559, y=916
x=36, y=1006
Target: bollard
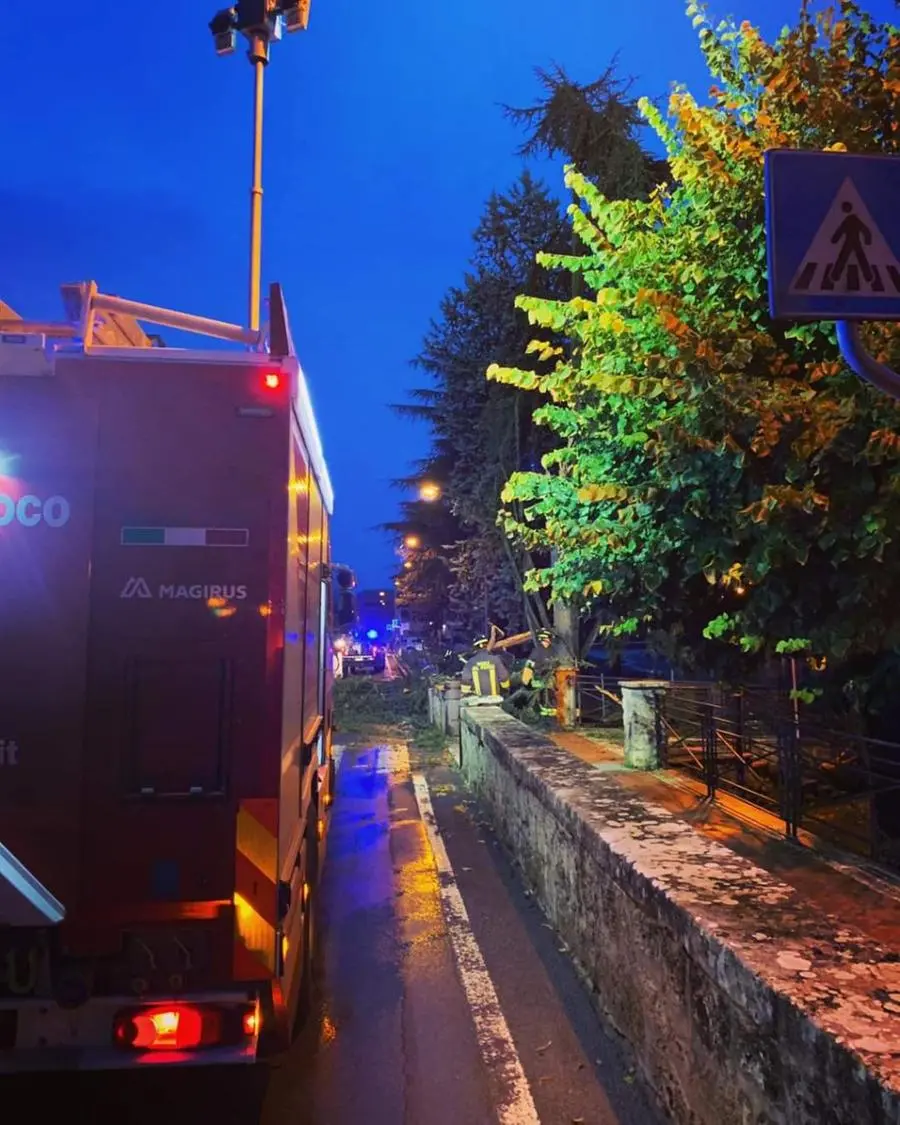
x=566, y=697
x=640, y=701
x=452, y=697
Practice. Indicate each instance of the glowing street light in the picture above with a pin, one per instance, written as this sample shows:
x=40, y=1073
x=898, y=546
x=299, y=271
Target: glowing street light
x=429, y=491
x=412, y=541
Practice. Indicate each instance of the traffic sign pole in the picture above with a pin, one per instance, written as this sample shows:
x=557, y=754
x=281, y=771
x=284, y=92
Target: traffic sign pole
x=833, y=241
x=862, y=364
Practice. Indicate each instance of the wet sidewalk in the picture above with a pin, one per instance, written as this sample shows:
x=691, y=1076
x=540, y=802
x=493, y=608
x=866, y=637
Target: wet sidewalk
x=838, y=883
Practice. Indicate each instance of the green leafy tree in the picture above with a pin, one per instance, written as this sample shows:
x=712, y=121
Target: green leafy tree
x=483, y=433
x=595, y=126
x=486, y=432
x=718, y=478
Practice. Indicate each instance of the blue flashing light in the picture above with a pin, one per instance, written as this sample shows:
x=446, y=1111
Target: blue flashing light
x=7, y=463
x=372, y=634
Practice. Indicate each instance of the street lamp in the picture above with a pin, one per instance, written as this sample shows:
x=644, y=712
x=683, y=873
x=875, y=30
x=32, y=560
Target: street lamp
x=429, y=491
x=412, y=541
x=261, y=22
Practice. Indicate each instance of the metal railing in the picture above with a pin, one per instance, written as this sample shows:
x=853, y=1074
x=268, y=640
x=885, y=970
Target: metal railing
x=838, y=785
x=721, y=743
x=86, y=302
x=598, y=700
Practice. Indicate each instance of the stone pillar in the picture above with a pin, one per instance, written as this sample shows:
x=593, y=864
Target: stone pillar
x=432, y=704
x=640, y=699
x=468, y=737
x=452, y=697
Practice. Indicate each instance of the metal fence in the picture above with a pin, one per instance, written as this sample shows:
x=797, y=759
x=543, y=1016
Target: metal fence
x=836, y=784
x=598, y=700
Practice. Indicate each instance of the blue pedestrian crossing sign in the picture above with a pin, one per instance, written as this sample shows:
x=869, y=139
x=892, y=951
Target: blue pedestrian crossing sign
x=833, y=235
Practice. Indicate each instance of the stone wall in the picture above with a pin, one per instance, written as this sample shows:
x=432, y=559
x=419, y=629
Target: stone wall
x=443, y=707
x=743, y=1005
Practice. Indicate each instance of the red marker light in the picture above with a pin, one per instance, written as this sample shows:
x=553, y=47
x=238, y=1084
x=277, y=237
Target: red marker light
x=272, y=380
x=179, y=1028
x=185, y=1027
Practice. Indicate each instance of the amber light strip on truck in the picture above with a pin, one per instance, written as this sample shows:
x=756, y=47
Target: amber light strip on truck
x=185, y=537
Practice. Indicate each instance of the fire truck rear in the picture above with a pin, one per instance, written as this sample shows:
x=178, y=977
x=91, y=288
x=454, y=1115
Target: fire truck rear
x=165, y=715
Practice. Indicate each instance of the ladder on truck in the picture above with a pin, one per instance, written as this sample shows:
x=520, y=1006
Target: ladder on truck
x=98, y=320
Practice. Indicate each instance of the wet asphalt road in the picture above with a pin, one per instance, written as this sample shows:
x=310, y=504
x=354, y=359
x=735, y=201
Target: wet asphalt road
x=391, y=1039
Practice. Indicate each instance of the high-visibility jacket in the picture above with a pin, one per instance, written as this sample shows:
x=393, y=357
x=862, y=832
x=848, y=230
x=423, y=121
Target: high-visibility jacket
x=485, y=674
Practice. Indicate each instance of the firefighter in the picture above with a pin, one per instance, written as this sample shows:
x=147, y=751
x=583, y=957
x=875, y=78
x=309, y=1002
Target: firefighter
x=484, y=673
x=535, y=679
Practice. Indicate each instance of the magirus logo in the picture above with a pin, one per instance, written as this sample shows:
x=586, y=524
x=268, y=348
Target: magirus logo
x=136, y=588
x=140, y=588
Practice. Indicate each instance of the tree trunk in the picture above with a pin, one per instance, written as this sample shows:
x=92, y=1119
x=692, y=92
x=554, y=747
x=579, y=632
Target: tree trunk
x=535, y=614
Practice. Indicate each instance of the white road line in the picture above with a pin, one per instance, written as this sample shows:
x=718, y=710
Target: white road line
x=491, y=1030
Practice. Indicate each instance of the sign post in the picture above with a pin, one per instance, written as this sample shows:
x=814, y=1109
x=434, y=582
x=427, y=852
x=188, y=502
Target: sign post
x=833, y=240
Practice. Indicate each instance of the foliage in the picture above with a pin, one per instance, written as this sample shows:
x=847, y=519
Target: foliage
x=361, y=702
x=594, y=126
x=423, y=583
x=430, y=740
x=717, y=477
x=487, y=586
x=483, y=433
x=423, y=590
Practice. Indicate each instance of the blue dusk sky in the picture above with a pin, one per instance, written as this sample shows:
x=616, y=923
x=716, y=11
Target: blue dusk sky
x=126, y=160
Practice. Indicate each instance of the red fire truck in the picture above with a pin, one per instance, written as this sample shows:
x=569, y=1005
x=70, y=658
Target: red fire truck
x=165, y=718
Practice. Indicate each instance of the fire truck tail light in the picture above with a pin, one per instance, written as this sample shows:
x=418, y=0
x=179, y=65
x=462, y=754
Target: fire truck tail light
x=184, y=1027
x=273, y=380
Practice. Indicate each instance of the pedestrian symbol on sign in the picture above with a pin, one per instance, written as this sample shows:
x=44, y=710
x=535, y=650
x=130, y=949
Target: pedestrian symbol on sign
x=9, y=752
x=851, y=235
x=848, y=255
